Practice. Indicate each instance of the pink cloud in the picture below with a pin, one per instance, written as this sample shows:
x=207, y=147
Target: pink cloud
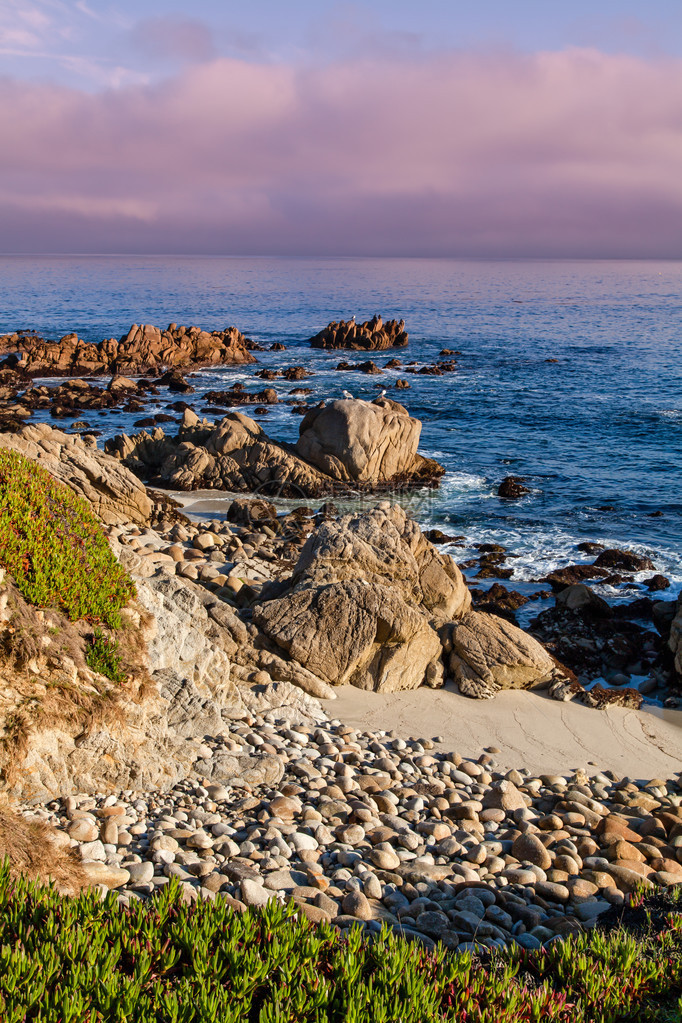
x=568, y=153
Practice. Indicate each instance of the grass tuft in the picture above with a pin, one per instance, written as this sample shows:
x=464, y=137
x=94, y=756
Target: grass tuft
x=103, y=656
x=54, y=547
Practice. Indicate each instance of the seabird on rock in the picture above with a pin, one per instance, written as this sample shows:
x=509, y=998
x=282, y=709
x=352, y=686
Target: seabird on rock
x=347, y=394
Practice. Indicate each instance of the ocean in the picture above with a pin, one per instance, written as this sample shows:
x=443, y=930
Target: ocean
x=570, y=375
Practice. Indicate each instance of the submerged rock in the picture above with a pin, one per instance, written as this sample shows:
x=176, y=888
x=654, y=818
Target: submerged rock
x=512, y=487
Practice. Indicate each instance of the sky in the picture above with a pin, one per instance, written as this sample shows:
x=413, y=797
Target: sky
x=437, y=128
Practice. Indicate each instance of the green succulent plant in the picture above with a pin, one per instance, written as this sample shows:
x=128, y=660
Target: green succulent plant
x=54, y=547
x=88, y=960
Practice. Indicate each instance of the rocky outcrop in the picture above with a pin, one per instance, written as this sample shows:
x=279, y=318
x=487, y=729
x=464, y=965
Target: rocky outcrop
x=144, y=348
x=115, y=493
x=235, y=454
x=488, y=654
x=373, y=335
x=371, y=603
x=149, y=732
x=74, y=396
x=512, y=487
x=346, y=444
x=356, y=441
x=238, y=396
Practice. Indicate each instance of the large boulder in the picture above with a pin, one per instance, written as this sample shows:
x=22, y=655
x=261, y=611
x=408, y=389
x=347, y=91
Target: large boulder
x=356, y=634
x=384, y=547
x=488, y=654
x=371, y=603
x=115, y=493
x=356, y=441
x=372, y=335
x=364, y=601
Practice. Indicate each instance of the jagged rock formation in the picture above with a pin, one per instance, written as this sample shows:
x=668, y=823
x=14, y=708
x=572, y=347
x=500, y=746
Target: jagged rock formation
x=144, y=348
x=373, y=335
x=358, y=444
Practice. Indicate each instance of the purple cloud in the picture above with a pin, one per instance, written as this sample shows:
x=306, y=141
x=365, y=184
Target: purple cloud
x=567, y=153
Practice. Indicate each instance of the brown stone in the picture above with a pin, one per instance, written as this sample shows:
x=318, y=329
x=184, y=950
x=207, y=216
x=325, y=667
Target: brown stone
x=528, y=848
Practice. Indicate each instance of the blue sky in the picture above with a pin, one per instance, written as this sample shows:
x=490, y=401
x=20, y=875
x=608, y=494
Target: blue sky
x=93, y=44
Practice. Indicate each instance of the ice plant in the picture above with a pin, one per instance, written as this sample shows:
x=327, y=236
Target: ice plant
x=85, y=960
x=54, y=547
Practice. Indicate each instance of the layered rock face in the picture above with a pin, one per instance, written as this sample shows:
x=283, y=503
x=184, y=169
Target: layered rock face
x=371, y=603
x=372, y=335
x=115, y=493
x=366, y=445
x=360, y=442
x=142, y=349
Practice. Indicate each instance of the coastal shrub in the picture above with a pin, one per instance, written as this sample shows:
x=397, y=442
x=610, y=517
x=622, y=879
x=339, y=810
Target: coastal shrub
x=54, y=547
x=87, y=959
x=103, y=656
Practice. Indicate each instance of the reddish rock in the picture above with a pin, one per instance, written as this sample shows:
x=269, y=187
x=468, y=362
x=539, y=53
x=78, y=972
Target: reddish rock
x=624, y=561
x=512, y=487
x=142, y=349
x=373, y=335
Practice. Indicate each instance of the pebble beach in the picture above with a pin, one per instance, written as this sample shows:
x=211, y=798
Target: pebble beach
x=368, y=828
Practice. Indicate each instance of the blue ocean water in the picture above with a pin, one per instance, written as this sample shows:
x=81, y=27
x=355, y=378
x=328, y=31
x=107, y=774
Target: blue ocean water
x=596, y=433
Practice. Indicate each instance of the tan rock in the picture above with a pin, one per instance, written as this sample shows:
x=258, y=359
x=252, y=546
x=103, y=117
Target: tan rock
x=115, y=494
x=360, y=441
x=626, y=879
x=504, y=795
x=361, y=603
x=83, y=831
x=489, y=654
x=528, y=848
x=101, y=873
x=622, y=850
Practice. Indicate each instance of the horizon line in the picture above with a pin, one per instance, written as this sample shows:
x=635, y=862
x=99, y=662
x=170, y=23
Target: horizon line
x=321, y=255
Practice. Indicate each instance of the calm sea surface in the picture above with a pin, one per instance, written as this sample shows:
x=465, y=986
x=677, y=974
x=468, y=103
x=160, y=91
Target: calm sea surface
x=597, y=434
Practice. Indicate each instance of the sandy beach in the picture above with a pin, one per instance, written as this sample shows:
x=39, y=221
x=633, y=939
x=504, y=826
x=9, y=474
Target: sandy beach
x=530, y=729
